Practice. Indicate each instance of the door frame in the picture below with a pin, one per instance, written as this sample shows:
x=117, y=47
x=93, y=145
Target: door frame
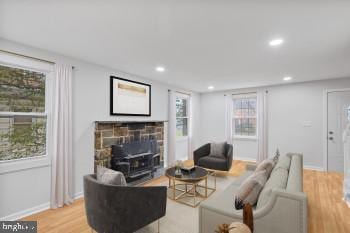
x=325, y=124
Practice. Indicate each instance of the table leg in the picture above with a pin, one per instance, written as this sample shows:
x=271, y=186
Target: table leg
x=206, y=186
x=194, y=194
x=174, y=189
x=215, y=180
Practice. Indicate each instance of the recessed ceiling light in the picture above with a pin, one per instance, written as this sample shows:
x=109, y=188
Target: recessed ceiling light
x=210, y=87
x=288, y=78
x=160, y=69
x=276, y=42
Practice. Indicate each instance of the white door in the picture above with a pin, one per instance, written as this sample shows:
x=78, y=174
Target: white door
x=338, y=103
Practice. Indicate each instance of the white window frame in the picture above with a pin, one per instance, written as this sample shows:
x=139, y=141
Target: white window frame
x=187, y=97
x=244, y=96
x=10, y=60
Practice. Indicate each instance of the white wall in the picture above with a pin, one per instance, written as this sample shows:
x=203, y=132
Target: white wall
x=289, y=107
x=30, y=188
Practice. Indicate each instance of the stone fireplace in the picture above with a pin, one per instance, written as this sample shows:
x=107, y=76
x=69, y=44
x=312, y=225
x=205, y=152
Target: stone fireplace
x=108, y=133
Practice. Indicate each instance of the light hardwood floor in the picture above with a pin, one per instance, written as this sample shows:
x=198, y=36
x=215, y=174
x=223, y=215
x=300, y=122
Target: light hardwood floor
x=327, y=212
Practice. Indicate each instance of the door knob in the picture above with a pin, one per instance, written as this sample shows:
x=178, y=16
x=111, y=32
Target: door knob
x=330, y=138
x=330, y=132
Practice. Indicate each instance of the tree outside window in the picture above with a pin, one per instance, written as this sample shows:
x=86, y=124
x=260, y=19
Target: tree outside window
x=244, y=116
x=22, y=113
x=182, y=116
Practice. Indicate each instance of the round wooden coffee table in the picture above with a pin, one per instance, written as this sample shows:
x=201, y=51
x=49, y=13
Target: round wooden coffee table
x=187, y=188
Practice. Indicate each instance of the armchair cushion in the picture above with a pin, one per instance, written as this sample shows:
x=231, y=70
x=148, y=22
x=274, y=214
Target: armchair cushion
x=217, y=148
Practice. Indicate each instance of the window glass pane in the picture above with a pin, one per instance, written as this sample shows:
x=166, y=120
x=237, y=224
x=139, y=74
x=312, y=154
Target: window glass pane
x=22, y=137
x=245, y=103
x=181, y=127
x=237, y=105
x=21, y=90
x=245, y=116
x=238, y=126
x=245, y=127
x=181, y=107
x=245, y=112
x=252, y=127
x=252, y=107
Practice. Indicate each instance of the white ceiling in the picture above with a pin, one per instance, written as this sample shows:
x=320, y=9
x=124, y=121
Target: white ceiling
x=201, y=43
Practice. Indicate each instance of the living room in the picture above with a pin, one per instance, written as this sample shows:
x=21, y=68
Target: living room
x=188, y=105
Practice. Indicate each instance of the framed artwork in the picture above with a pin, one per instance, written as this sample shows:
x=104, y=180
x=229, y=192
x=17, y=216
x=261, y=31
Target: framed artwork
x=129, y=98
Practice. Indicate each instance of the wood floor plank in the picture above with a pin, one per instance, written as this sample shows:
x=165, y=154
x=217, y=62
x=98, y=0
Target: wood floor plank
x=327, y=213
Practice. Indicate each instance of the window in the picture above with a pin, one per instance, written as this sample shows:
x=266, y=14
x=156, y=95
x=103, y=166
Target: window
x=244, y=115
x=23, y=114
x=182, y=115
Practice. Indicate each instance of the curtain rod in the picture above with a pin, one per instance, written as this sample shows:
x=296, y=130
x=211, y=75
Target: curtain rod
x=243, y=93
x=246, y=93
x=181, y=92
x=29, y=57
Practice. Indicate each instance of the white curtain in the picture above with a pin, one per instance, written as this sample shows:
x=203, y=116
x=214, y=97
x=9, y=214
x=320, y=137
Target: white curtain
x=190, y=138
x=262, y=125
x=60, y=144
x=171, y=129
x=229, y=119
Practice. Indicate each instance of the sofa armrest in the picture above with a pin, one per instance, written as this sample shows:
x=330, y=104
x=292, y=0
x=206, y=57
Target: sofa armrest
x=285, y=212
x=201, y=152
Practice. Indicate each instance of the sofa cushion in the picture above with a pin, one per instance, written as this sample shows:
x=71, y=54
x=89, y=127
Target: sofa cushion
x=109, y=176
x=267, y=164
x=250, y=189
x=217, y=148
x=278, y=179
x=283, y=162
x=213, y=162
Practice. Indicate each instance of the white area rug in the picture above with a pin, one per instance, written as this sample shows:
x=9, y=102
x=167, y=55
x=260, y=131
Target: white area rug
x=181, y=218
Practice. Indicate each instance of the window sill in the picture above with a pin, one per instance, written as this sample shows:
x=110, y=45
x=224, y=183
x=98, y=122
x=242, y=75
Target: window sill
x=24, y=164
x=247, y=138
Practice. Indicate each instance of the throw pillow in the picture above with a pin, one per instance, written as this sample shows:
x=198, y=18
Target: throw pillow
x=249, y=190
x=109, y=176
x=267, y=165
x=237, y=227
x=217, y=148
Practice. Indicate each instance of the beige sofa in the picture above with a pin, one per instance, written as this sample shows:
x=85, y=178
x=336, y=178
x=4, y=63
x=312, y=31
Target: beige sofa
x=282, y=207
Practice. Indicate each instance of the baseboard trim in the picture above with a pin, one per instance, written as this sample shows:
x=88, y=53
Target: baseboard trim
x=27, y=212
x=34, y=210
x=315, y=168
x=78, y=195
x=245, y=159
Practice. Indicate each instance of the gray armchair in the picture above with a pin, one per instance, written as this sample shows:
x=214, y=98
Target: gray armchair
x=122, y=209
x=222, y=162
